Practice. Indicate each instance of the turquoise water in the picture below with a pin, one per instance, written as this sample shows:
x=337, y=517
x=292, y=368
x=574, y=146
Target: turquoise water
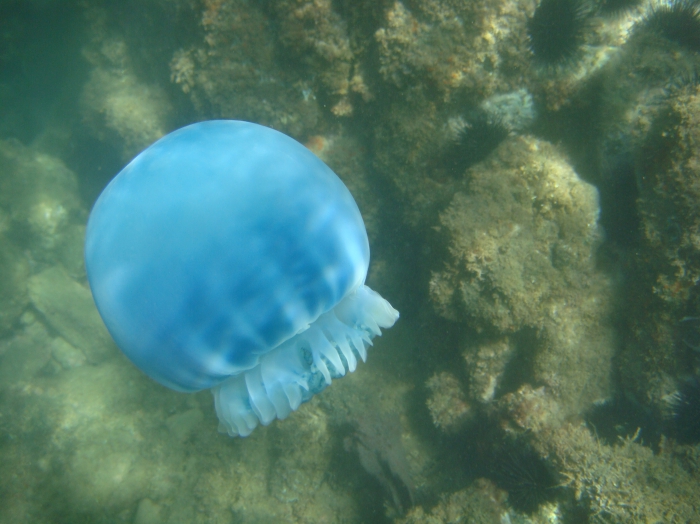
x=527, y=173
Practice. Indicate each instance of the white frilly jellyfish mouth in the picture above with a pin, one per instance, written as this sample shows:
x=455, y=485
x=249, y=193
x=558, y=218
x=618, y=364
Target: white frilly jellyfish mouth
x=228, y=256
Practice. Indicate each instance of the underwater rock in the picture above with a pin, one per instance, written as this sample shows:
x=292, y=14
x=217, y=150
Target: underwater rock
x=121, y=108
x=302, y=472
x=668, y=168
x=68, y=308
x=148, y=512
x=14, y=269
x=666, y=263
x=481, y=503
x=447, y=403
x=640, y=81
x=66, y=355
x=302, y=457
x=526, y=227
x=522, y=240
x=447, y=62
x=406, y=140
x=639, y=110
x=95, y=440
x=39, y=200
x=25, y=354
x=161, y=243
x=316, y=36
x=234, y=72
x=303, y=58
x=451, y=46
x=69, y=253
x=99, y=444
x=530, y=410
x=486, y=364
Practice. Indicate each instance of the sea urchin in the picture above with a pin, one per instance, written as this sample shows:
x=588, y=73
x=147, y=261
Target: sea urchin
x=686, y=412
x=477, y=135
x=678, y=21
x=525, y=475
x=557, y=30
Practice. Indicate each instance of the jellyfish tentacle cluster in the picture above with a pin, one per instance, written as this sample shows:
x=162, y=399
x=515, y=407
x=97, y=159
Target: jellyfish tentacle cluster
x=228, y=256
x=304, y=365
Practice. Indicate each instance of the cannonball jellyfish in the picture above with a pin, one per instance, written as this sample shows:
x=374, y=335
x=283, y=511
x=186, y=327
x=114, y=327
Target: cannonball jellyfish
x=228, y=256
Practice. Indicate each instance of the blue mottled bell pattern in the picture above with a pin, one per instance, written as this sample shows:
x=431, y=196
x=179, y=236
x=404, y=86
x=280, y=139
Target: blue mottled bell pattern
x=228, y=256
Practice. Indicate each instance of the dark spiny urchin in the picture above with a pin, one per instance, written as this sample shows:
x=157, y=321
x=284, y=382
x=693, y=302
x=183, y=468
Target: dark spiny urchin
x=524, y=474
x=557, y=30
x=477, y=135
x=614, y=7
x=686, y=413
x=677, y=22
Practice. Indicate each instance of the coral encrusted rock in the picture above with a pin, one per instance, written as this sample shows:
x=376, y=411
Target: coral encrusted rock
x=522, y=238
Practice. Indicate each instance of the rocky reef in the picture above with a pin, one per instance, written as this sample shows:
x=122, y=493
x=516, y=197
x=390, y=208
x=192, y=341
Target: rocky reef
x=531, y=201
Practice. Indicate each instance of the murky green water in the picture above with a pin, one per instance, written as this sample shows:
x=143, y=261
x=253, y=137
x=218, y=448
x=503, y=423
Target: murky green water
x=528, y=176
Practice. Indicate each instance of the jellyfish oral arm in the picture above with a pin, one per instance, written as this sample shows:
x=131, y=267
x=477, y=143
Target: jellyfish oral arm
x=304, y=365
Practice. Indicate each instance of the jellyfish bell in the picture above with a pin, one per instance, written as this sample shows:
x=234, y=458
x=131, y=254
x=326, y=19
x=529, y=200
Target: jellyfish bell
x=228, y=256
